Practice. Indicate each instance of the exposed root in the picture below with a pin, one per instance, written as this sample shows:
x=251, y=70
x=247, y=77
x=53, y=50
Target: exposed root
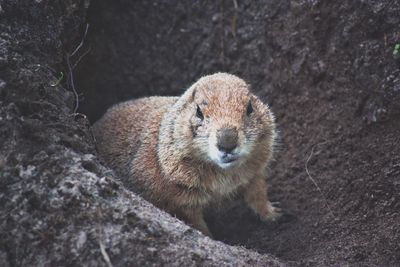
x=82, y=56
x=71, y=83
x=313, y=180
x=222, y=40
x=70, y=67
x=81, y=43
x=234, y=19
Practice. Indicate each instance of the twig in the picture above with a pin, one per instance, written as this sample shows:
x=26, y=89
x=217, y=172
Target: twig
x=104, y=253
x=79, y=114
x=235, y=4
x=100, y=232
x=313, y=180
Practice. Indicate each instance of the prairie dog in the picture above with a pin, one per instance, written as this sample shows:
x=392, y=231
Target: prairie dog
x=183, y=153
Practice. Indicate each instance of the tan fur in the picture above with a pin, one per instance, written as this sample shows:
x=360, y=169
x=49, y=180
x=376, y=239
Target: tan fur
x=165, y=150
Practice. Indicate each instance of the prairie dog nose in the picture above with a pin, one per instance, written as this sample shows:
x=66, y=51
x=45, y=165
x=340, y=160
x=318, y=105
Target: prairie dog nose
x=227, y=139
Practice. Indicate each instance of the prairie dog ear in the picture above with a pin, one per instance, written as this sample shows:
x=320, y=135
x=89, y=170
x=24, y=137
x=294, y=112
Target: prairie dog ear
x=255, y=100
x=194, y=91
x=187, y=98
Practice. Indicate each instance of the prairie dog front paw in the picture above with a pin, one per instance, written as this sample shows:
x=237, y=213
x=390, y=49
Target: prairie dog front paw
x=272, y=213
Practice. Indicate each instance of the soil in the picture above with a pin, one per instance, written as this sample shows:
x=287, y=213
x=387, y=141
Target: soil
x=328, y=70
x=59, y=205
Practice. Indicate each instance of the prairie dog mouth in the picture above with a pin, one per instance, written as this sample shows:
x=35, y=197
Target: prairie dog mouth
x=225, y=160
x=229, y=158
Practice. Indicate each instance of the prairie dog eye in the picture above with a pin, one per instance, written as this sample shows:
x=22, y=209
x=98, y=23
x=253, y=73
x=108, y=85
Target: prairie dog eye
x=199, y=114
x=249, y=109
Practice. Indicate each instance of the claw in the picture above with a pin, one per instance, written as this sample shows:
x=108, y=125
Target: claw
x=273, y=214
x=276, y=204
x=279, y=210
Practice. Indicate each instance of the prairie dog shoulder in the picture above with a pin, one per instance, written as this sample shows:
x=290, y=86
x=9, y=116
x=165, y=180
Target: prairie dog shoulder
x=118, y=132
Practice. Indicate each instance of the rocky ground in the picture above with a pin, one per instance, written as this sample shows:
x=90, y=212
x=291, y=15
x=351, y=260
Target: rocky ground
x=329, y=71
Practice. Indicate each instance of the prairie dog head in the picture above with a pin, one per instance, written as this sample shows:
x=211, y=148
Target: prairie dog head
x=227, y=124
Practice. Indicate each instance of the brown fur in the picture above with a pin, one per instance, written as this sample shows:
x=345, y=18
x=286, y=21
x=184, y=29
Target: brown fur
x=164, y=148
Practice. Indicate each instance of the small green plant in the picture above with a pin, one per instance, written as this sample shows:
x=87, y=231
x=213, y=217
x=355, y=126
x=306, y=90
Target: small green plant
x=396, y=50
x=53, y=84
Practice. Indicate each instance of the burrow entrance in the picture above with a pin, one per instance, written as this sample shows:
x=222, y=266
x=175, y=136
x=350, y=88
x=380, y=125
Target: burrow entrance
x=142, y=48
